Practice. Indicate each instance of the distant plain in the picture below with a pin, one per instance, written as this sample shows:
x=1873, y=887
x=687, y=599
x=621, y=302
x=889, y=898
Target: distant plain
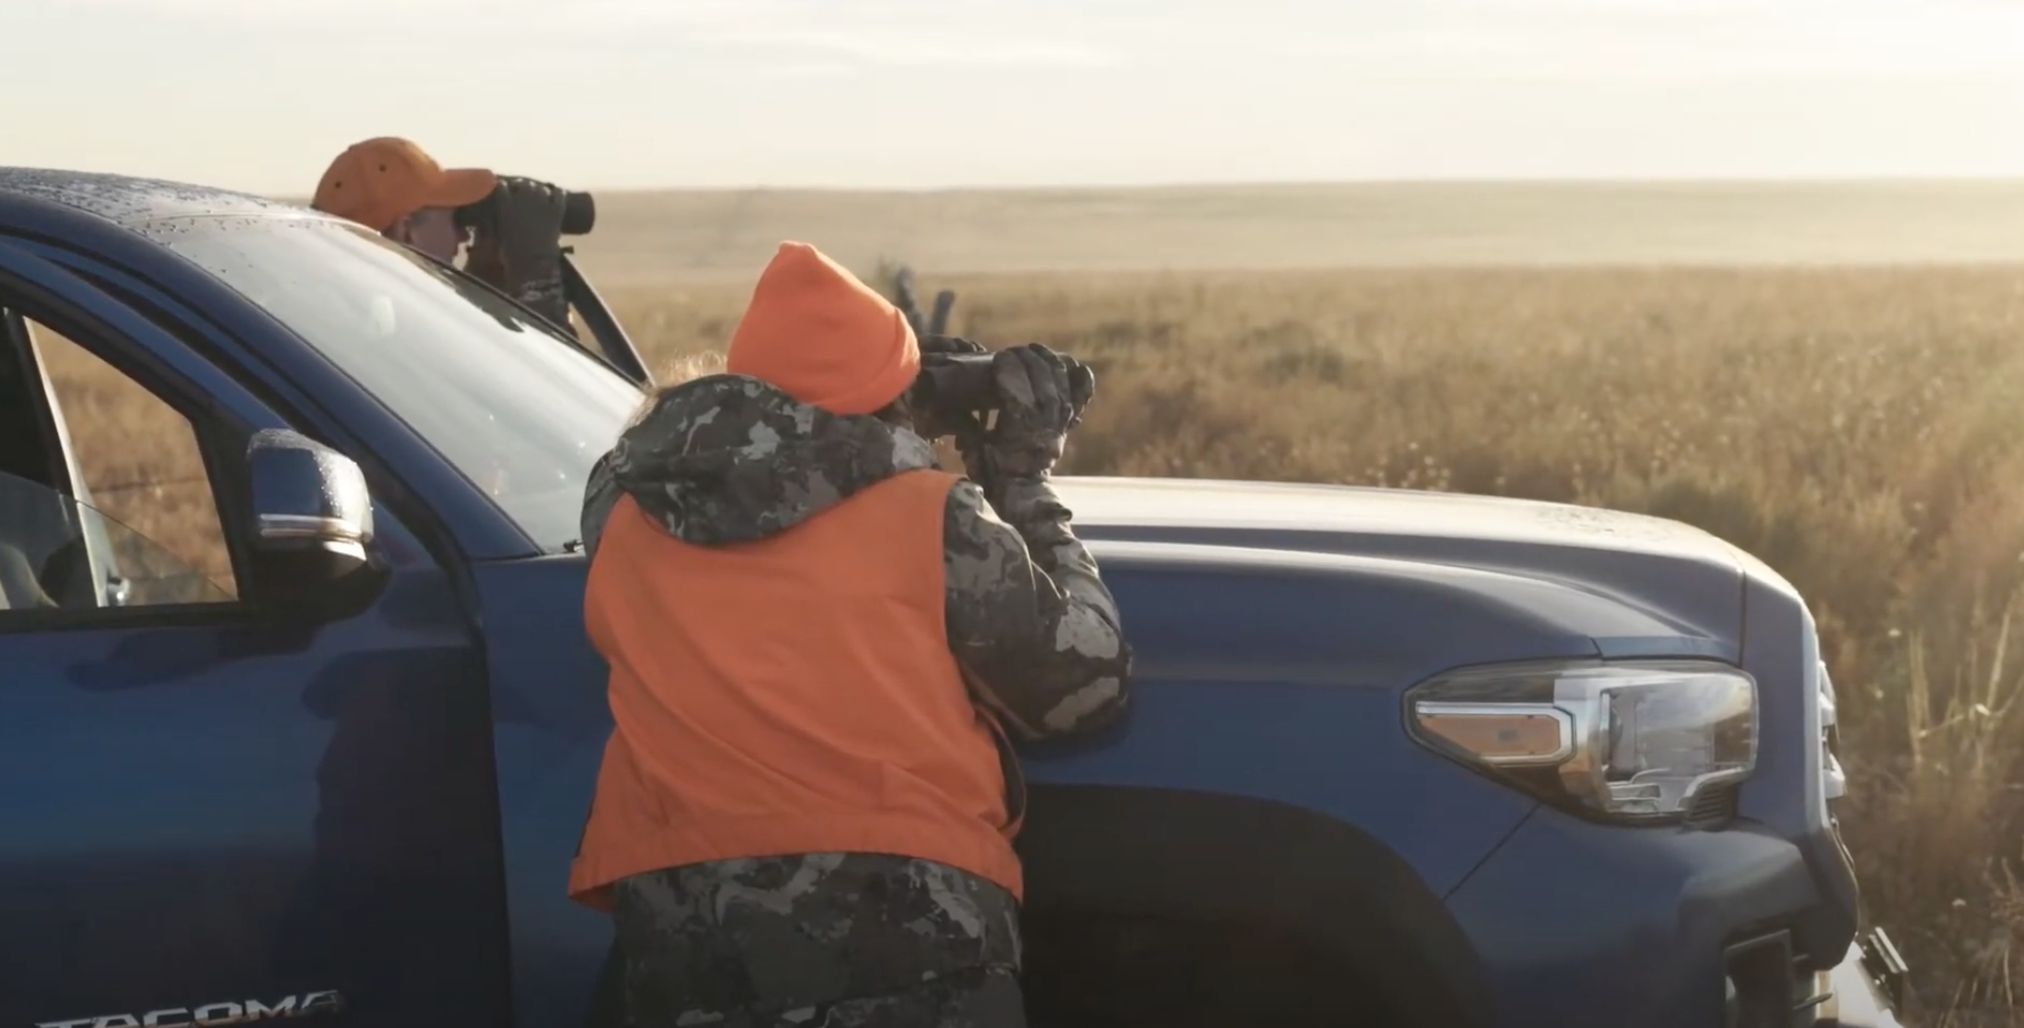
x=651, y=237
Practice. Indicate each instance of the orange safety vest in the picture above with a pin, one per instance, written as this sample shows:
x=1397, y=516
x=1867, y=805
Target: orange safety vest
x=794, y=694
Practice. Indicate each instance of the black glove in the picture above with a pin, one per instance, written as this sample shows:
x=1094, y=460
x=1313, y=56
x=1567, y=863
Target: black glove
x=1041, y=397
x=520, y=251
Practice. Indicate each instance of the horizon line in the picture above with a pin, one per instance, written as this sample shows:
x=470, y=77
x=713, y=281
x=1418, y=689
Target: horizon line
x=1535, y=182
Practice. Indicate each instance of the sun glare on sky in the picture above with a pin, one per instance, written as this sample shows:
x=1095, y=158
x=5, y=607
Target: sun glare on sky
x=258, y=94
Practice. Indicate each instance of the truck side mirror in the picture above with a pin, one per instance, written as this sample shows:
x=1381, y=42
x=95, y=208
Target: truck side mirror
x=312, y=520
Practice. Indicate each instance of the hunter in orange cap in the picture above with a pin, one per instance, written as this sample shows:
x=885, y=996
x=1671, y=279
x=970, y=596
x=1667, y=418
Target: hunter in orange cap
x=819, y=643
x=386, y=182
x=391, y=185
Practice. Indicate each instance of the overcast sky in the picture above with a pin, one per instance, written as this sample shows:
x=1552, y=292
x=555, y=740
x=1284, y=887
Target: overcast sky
x=259, y=94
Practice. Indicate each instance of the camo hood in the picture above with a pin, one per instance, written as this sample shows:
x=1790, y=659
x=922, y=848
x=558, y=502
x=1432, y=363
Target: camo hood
x=729, y=459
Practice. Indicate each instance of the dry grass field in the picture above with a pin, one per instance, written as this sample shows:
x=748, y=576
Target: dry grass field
x=1858, y=428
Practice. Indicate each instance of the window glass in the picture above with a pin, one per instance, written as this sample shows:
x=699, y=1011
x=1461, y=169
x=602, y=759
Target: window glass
x=517, y=407
x=59, y=554
x=141, y=466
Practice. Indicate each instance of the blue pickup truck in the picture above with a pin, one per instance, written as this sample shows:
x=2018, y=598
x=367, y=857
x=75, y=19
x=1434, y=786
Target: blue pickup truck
x=1397, y=758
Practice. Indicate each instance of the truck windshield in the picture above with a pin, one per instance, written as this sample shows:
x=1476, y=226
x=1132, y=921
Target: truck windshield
x=517, y=407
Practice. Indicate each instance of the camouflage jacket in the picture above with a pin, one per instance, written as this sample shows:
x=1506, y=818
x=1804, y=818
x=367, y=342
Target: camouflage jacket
x=544, y=295
x=726, y=459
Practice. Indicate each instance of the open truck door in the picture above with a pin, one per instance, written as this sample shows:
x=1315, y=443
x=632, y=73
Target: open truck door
x=240, y=731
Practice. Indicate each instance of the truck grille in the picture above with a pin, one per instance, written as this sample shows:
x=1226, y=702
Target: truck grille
x=1713, y=809
x=1768, y=983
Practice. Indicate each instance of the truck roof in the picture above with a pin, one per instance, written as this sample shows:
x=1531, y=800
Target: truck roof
x=131, y=202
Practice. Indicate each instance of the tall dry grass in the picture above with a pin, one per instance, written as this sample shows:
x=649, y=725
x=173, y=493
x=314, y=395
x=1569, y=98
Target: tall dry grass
x=1859, y=430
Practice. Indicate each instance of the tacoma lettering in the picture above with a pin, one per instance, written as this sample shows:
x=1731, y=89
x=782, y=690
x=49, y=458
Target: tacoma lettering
x=223, y=1012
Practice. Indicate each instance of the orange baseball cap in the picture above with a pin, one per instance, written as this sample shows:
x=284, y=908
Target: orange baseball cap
x=382, y=180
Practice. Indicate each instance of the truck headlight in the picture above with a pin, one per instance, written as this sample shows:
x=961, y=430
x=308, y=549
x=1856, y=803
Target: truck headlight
x=1633, y=741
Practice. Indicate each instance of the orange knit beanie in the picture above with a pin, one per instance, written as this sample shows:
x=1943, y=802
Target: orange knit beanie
x=816, y=333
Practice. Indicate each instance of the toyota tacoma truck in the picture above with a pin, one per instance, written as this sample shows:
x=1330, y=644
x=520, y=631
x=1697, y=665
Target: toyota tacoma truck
x=1395, y=758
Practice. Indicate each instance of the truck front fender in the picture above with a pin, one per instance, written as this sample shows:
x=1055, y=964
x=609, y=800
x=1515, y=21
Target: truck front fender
x=1220, y=859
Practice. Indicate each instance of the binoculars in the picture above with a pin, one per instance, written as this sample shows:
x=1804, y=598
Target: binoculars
x=579, y=213
x=963, y=383
x=958, y=383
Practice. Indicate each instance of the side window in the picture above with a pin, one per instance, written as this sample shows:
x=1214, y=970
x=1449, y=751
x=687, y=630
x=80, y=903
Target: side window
x=59, y=554
x=144, y=480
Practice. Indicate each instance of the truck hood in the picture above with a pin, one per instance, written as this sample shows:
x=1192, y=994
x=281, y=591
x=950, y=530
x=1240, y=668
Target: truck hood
x=1238, y=599
x=1677, y=575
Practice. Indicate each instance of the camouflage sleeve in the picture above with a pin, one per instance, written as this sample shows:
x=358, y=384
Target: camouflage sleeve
x=600, y=494
x=1032, y=624
x=544, y=296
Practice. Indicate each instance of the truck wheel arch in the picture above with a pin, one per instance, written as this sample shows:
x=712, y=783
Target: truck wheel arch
x=1159, y=853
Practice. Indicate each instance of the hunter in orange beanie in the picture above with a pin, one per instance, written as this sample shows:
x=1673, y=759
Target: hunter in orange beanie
x=821, y=336
x=820, y=644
